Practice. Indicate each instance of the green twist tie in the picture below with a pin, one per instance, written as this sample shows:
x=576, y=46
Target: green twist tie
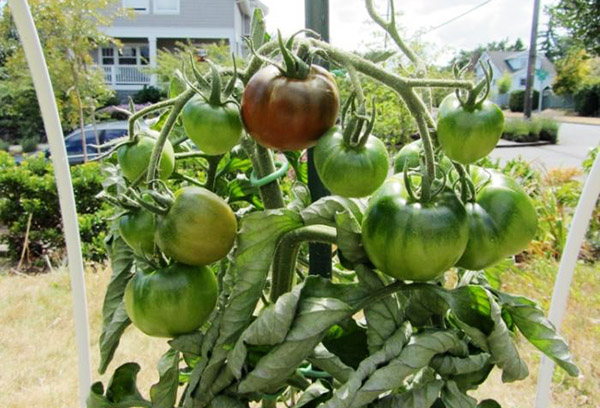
x=282, y=169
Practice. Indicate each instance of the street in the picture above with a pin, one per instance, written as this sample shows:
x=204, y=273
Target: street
x=574, y=142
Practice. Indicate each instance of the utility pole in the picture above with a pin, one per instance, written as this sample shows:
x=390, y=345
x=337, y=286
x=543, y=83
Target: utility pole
x=316, y=14
x=531, y=62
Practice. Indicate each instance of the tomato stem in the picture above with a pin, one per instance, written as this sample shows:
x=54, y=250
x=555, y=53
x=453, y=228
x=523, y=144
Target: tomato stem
x=284, y=263
x=211, y=175
x=143, y=112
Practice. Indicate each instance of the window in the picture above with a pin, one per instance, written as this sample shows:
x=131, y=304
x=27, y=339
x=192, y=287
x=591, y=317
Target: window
x=144, y=55
x=523, y=81
x=166, y=6
x=128, y=55
x=139, y=6
x=107, y=56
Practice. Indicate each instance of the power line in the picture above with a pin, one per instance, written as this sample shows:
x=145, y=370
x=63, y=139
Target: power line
x=457, y=17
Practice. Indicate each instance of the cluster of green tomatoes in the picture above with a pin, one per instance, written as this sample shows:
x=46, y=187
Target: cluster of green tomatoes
x=473, y=218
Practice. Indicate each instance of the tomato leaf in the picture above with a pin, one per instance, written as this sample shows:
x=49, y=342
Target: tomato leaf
x=348, y=341
x=489, y=403
x=453, y=397
x=447, y=365
x=314, y=394
x=256, y=243
x=422, y=396
x=536, y=328
x=257, y=28
x=188, y=343
x=324, y=210
x=383, y=317
x=163, y=394
x=300, y=166
x=122, y=390
x=114, y=317
x=329, y=362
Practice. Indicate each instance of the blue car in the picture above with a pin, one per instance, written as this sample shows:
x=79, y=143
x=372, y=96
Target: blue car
x=105, y=131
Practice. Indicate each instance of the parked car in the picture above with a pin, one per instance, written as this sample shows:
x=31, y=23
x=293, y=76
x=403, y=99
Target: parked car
x=106, y=131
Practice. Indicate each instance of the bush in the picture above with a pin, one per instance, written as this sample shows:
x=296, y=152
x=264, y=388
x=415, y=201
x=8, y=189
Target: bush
x=4, y=145
x=30, y=188
x=148, y=94
x=516, y=101
x=587, y=100
x=29, y=144
x=522, y=130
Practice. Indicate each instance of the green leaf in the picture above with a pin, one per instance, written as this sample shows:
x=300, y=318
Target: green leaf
x=472, y=380
x=383, y=317
x=422, y=396
x=188, y=343
x=324, y=360
x=257, y=28
x=300, y=166
x=377, y=56
x=314, y=394
x=122, y=390
x=346, y=395
x=489, y=403
x=540, y=332
x=447, y=365
x=503, y=350
x=163, y=394
x=256, y=242
x=452, y=397
x=324, y=210
x=349, y=237
x=423, y=303
x=348, y=341
x=240, y=189
x=223, y=401
x=114, y=317
x=301, y=195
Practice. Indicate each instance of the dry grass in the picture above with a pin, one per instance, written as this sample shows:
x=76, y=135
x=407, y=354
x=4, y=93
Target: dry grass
x=38, y=356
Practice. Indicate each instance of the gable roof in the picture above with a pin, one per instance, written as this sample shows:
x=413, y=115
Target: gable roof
x=500, y=58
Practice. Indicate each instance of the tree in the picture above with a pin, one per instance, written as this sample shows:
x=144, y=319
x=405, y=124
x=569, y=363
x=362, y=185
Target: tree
x=68, y=31
x=504, y=83
x=572, y=71
x=581, y=19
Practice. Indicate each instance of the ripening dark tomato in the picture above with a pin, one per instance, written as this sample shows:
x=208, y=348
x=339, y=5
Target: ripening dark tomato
x=410, y=240
x=351, y=171
x=289, y=114
x=214, y=129
x=199, y=228
x=467, y=134
x=171, y=301
x=134, y=158
x=502, y=220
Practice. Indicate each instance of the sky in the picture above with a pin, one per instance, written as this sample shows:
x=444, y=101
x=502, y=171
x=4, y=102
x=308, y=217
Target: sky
x=493, y=21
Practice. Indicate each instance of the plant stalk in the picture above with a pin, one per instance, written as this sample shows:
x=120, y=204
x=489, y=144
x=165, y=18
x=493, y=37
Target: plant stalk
x=143, y=112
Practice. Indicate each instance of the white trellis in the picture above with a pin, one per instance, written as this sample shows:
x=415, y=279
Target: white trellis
x=43, y=86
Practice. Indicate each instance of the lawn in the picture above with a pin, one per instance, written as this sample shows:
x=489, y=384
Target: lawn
x=37, y=347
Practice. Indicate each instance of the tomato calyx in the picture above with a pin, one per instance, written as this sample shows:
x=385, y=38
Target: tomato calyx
x=480, y=92
x=357, y=129
x=217, y=95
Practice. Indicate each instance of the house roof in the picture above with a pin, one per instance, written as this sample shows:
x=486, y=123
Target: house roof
x=500, y=58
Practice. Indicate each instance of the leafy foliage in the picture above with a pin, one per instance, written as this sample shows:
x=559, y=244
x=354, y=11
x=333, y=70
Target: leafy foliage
x=29, y=189
x=516, y=101
x=580, y=19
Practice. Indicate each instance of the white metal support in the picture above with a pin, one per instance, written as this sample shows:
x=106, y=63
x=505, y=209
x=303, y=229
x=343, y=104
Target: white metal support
x=153, y=58
x=558, y=306
x=43, y=87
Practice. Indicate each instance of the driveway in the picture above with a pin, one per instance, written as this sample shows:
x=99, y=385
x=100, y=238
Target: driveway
x=574, y=141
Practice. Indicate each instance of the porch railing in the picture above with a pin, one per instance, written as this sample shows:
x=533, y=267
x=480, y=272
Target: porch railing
x=123, y=75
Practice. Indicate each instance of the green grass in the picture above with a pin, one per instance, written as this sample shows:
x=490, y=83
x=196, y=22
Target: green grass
x=522, y=130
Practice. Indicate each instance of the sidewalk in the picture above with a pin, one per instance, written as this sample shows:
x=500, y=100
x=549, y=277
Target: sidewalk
x=559, y=115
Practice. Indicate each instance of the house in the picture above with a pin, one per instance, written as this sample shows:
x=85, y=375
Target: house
x=515, y=64
x=159, y=24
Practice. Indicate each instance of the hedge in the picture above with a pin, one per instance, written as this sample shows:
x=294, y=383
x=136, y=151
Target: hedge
x=516, y=102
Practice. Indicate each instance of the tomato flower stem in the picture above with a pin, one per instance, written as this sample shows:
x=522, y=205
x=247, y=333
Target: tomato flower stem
x=284, y=264
x=211, y=175
x=143, y=112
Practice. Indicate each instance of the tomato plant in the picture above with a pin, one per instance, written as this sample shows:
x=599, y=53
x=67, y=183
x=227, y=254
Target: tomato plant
x=502, y=220
x=199, y=228
x=290, y=111
x=170, y=301
x=411, y=240
x=134, y=157
x=247, y=317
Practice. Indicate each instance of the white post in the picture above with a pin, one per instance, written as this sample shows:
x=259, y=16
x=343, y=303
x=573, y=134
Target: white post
x=558, y=306
x=43, y=86
x=153, y=57
x=113, y=76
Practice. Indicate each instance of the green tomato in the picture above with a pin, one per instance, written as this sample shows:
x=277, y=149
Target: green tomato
x=502, y=220
x=350, y=171
x=134, y=158
x=199, y=228
x=171, y=301
x=468, y=134
x=214, y=129
x=412, y=153
x=410, y=240
x=137, y=230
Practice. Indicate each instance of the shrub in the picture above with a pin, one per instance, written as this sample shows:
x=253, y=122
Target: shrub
x=516, y=101
x=4, y=145
x=30, y=188
x=504, y=83
x=29, y=144
x=148, y=94
x=587, y=100
x=522, y=130
x=547, y=129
